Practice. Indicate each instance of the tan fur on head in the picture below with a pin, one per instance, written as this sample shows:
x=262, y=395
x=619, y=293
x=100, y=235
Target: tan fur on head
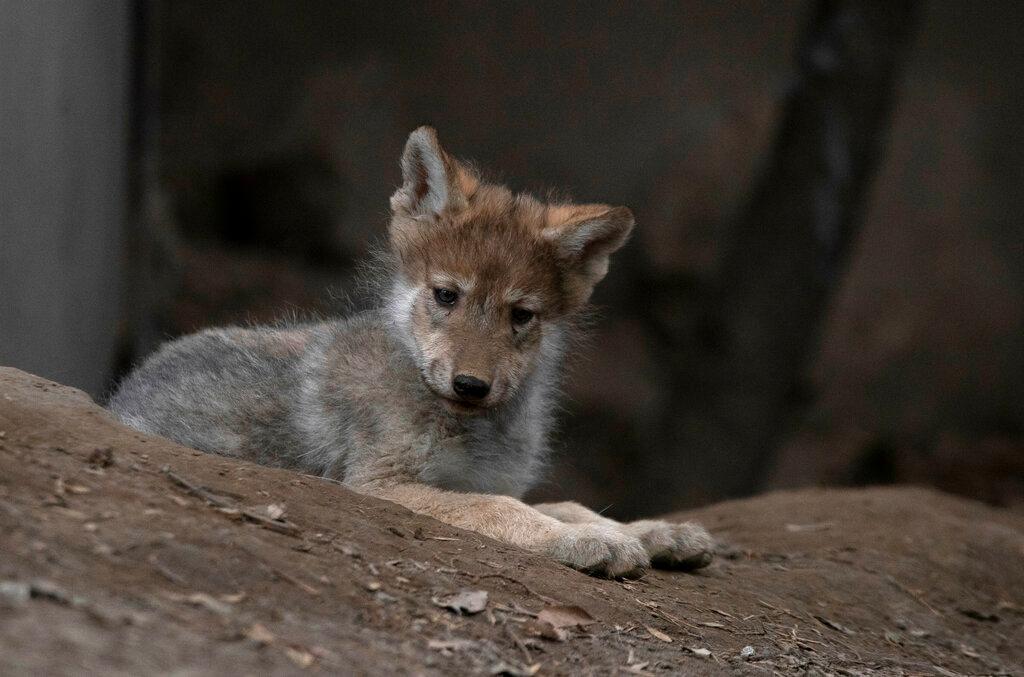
x=500, y=253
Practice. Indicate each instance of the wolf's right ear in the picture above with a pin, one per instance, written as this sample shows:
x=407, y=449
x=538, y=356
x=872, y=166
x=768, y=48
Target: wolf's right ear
x=433, y=182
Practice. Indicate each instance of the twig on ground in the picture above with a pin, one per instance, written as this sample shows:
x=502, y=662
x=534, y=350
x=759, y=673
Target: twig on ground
x=504, y=577
x=911, y=593
x=165, y=572
x=280, y=526
x=196, y=490
x=779, y=609
x=519, y=643
x=305, y=587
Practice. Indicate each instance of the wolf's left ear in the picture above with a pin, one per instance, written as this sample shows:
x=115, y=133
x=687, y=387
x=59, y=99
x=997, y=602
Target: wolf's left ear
x=433, y=182
x=585, y=236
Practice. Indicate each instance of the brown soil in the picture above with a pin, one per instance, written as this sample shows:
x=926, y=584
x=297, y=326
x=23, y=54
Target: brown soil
x=127, y=554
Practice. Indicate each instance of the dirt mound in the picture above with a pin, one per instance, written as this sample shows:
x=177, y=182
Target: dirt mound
x=127, y=554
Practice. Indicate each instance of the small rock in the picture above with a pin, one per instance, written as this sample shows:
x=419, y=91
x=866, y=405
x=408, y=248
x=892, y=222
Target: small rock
x=466, y=602
x=260, y=635
x=300, y=656
x=14, y=594
x=747, y=652
x=101, y=457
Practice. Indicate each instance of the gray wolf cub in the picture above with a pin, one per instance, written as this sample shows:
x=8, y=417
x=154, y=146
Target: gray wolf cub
x=442, y=398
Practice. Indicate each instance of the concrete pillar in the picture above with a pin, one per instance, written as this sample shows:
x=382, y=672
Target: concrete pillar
x=64, y=89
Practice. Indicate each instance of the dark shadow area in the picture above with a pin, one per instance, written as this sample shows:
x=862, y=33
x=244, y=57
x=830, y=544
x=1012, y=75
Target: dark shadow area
x=824, y=286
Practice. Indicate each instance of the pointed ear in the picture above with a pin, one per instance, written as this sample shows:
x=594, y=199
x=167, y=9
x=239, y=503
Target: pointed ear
x=432, y=181
x=585, y=236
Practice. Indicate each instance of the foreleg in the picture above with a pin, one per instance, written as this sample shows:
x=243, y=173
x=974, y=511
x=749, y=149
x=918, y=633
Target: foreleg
x=595, y=548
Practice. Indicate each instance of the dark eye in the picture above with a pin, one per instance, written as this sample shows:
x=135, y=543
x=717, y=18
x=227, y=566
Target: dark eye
x=521, y=316
x=446, y=297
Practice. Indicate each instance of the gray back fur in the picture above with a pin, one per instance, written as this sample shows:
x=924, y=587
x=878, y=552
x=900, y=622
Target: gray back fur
x=342, y=399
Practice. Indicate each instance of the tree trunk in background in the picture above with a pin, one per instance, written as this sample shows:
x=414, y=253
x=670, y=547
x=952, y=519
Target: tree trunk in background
x=735, y=375
x=152, y=243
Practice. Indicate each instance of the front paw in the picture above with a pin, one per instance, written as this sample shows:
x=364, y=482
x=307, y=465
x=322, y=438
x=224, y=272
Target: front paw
x=599, y=550
x=674, y=546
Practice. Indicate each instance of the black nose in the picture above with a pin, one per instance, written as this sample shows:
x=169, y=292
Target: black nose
x=470, y=387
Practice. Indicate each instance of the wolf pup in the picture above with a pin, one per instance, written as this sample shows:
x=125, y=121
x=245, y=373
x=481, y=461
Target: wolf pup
x=442, y=399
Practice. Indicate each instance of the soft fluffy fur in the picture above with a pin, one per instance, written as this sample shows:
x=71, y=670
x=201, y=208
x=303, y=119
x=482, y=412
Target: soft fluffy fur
x=371, y=399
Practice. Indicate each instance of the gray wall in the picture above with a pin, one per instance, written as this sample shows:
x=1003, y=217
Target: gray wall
x=64, y=85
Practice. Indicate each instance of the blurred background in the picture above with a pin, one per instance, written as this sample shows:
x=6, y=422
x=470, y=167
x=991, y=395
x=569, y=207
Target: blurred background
x=826, y=285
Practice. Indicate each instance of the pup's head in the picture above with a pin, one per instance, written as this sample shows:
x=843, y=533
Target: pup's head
x=486, y=277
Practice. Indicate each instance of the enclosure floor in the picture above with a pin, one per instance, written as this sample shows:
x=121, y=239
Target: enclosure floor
x=129, y=554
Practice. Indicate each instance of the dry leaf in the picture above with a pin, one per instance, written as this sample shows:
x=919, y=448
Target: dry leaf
x=820, y=526
x=565, y=616
x=71, y=514
x=346, y=549
x=552, y=621
x=703, y=653
x=300, y=656
x=658, y=634
x=260, y=634
x=509, y=670
x=547, y=631
x=203, y=600
x=451, y=644
x=466, y=602
x=62, y=486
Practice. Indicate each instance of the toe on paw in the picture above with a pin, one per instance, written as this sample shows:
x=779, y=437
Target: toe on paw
x=692, y=548
x=690, y=562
